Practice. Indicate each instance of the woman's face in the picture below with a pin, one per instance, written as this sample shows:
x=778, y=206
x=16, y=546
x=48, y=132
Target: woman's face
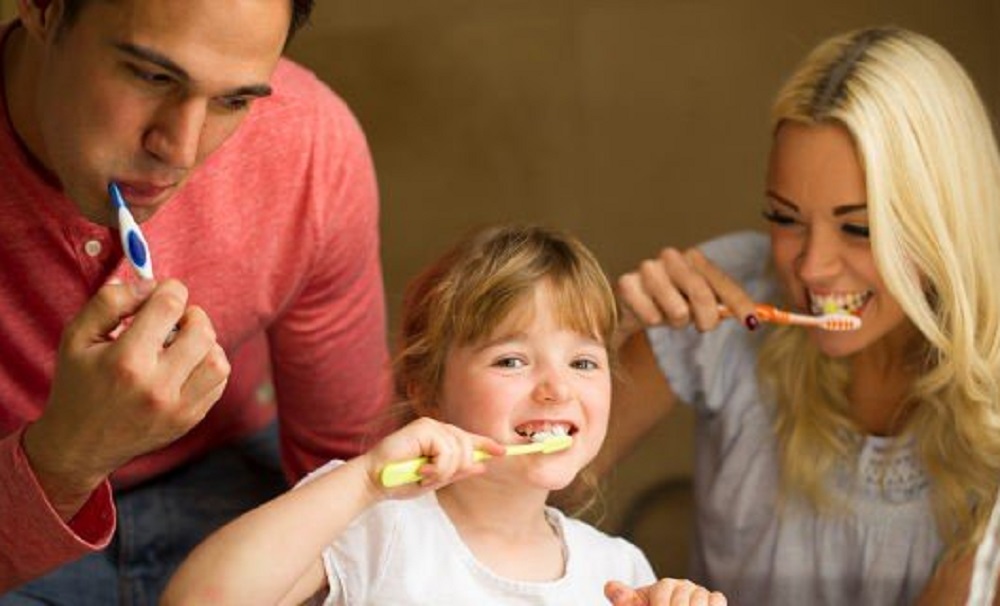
x=818, y=210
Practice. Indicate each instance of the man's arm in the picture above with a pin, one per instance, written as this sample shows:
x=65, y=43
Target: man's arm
x=329, y=351
x=112, y=398
x=34, y=538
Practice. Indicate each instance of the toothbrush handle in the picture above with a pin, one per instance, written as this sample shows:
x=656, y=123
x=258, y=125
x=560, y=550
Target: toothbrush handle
x=407, y=472
x=764, y=313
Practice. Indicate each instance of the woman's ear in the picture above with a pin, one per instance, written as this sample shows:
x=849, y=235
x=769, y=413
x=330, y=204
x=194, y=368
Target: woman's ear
x=40, y=17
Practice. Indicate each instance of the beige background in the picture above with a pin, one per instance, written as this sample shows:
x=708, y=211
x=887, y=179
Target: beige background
x=633, y=123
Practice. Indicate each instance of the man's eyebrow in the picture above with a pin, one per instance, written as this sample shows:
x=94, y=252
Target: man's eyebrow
x=837, y=210
x=151, y=56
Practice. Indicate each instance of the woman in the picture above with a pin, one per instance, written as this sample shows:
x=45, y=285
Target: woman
x=853, y=467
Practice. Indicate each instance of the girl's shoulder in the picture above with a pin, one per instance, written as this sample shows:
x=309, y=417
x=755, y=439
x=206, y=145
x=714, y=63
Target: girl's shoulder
x=591, y=552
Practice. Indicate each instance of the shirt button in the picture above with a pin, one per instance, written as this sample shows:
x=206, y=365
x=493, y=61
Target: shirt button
x=92, y=248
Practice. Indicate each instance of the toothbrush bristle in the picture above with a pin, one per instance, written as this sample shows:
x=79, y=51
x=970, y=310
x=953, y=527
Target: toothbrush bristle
x=841, y=322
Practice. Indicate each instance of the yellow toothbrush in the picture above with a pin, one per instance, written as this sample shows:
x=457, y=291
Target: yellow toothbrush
x=405, y=472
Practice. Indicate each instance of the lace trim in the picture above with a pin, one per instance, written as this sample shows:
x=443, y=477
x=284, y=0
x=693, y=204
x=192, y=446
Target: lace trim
x=891, y=469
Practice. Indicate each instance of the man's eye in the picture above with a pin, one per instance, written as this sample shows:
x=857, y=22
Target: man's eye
x=234, y=104
x=154, y=78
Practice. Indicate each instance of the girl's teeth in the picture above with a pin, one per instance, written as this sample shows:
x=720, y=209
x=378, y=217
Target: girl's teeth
x=542, y=433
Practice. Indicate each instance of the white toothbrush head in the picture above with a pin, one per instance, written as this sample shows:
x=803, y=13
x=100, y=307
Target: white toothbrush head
x=838, y=322
x=552, y=443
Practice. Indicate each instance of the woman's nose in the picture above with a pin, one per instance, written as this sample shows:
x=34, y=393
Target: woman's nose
x=820, y=257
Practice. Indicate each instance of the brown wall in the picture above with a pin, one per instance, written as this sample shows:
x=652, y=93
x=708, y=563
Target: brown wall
x=634, y=123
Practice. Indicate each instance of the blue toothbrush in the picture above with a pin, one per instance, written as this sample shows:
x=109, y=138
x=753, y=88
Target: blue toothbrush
x=134, y=245
x=133, y=242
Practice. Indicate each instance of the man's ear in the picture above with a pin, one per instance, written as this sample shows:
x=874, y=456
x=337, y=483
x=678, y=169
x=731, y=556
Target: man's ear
x=40, y=17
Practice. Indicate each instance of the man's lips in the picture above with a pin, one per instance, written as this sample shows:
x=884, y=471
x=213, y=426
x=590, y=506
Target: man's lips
x=143, y=193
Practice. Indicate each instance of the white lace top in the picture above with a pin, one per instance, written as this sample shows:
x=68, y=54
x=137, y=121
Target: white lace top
x=879, y=551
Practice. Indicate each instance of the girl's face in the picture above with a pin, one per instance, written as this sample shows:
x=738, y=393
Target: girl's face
x=817, y=207
x=532, y=375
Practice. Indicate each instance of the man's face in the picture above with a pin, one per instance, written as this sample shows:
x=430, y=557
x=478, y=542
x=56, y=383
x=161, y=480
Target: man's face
x=142, y=91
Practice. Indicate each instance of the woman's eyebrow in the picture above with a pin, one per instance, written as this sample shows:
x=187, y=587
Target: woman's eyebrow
x=843, y=209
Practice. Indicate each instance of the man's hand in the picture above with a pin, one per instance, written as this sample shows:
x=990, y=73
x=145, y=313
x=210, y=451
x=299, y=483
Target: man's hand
x=113, y=399
x=665, y=592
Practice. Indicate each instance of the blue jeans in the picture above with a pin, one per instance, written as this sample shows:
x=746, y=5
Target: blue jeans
x=159, y=522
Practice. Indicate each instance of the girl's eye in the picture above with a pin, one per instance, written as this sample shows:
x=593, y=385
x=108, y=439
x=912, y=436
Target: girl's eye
x=777, y=218
x=509, y=363
x=855, y=229
x=585, y=364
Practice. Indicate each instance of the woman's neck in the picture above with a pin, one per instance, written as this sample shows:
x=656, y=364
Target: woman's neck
x=882, y=379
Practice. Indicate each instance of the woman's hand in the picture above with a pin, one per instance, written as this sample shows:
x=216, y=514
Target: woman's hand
x=678, y=289
x=665, y=592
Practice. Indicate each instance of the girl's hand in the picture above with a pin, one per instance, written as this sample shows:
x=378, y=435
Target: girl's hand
x=449, y=451
x=665, y=592
x=677, y=289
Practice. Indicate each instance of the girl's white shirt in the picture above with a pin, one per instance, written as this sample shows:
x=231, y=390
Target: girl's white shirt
x=403, y=552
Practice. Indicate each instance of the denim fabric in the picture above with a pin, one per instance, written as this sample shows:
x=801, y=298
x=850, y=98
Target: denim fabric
x=159, y=522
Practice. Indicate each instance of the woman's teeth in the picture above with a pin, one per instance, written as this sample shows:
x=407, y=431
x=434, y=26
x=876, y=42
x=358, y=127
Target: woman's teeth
x=839, y=303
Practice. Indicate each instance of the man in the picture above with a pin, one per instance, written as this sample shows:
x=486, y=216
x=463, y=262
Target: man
x=255, y=191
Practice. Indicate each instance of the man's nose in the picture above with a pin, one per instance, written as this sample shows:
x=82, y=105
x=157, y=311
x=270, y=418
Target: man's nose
x=176, y=135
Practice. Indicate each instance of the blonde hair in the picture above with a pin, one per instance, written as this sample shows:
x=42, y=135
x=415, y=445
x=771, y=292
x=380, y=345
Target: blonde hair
x=469, y=291
x=932, y=172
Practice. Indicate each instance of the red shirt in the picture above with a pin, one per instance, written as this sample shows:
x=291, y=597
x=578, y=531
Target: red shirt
x=275, y=236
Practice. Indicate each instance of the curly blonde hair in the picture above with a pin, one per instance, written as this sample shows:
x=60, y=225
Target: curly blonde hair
x=932, y=174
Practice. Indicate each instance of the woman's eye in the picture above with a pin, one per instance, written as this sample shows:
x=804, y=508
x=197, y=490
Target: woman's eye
x=855, y=229
x=773, y=216
x=585, y=364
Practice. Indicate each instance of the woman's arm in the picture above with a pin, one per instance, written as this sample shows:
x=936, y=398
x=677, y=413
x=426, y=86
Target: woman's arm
x=641, y=398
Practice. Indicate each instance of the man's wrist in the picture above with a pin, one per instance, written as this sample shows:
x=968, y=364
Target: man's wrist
x=67, y=490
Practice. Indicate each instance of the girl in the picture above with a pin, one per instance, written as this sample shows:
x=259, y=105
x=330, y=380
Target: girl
x=505, y=336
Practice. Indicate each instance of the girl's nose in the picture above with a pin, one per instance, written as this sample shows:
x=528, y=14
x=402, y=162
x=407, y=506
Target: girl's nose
x=552, y=389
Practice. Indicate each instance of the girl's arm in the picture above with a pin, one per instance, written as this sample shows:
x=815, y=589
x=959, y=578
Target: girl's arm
x=272, y=554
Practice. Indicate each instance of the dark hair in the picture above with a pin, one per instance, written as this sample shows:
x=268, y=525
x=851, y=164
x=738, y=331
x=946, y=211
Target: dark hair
x=301, y=10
